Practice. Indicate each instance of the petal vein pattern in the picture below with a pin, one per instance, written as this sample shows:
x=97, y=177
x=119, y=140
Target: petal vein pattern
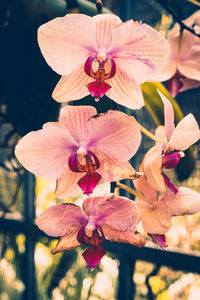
x=91, y=48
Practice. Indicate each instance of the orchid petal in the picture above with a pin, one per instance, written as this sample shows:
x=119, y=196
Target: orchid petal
x=128, y=237
x=61, y=219
x=67, y=242
x=113, y=170
x=184, y=202
x=104, y=29
x=160, y=133
x=152, y=168
x=142, y=50
x=189, y=84
x=67, y=184
x=73, y=86
x=45, y=152
x=93, y=255
x=75, y=118
x=145, y=188
x=119, y=213
x=166, y=72
x=169, y=115
x=124, y=91
x=159, y=239
x=115, y=134
x=88, y=182
x=184, y=135
x=158, y=220
x=67, y=42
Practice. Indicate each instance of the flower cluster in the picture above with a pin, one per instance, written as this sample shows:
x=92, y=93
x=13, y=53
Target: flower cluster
x=101, y=55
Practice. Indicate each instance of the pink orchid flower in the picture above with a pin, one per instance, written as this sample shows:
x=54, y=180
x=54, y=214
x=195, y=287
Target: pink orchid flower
x=166, y=155
x=81, y=149
x=182, y=69
x=155, y=212
x=101, y=217
x=101, y=55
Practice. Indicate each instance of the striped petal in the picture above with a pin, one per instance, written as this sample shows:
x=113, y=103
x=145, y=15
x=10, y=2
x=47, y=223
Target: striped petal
x=61, y=219
x=73, y=86
x=184, y=202
x=104, y=29
x=113, y=170
x=46, y=152
x=67, y=184
x=67, y=242
x=152, y=168
x=75, y=118
x=67, y=42
x=158, y=220
x=117, y=212
x=184, y=135
x=115, y=134
x=141, y=52
x=128, y=237
x=169, y=115
x=124, y=91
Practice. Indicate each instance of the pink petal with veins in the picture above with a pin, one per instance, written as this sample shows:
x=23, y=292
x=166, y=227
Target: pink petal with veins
x=45, y=152
x=145, y=188
x=119, y=213
x=159, y=239
x=61, y=219
x=124, y=91
x=157, y=220
x=113, y=170
x=67, y=242
x=184, y=202
x=93, y=255
x=128, y=237
x=152, y=168
x=168, y=114
x=75, y=118
x=67, y=184
x=115, y=134
x=73, y=86
x=184, y=135
x=141, y=51
x=67, y=42
x=174, y=85
x=104, y=29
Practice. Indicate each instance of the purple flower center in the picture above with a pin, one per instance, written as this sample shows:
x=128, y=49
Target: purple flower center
x=100, y=70
x=95, y=252
x=87, y=163
x=175, y=84
x=170, y=160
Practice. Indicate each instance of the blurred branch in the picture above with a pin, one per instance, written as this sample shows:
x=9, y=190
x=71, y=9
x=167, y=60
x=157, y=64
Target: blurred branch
x=165, y=5
x=194, y=2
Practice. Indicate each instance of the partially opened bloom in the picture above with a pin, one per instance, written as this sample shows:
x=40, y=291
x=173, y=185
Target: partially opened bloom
x=166, y=155
x=103, y=217
x=101, y=55
x=182, y=69
x=156, y=211
x=81, y=149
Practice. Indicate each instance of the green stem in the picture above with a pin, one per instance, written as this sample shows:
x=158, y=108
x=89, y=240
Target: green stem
x=133, y=192
x=150, y=135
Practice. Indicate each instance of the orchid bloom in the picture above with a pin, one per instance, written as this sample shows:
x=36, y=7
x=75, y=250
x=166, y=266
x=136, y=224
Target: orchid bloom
x=81, y=148
x=166, y=155
x=101, y=217
x=101, y=55
x=182, y=69
x=156, y=212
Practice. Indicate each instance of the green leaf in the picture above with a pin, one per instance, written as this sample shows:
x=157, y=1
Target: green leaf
x=155, y=107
